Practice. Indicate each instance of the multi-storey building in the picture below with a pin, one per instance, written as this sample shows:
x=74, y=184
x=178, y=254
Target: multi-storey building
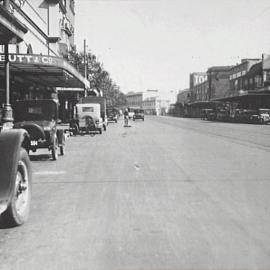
x=50, y=26
x=245, y=85
x=134, y=99
x=37, y=68
x=239, y=80
x=218, y=81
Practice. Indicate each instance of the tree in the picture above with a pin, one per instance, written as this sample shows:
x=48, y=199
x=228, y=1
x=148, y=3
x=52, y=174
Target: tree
x=99, y=77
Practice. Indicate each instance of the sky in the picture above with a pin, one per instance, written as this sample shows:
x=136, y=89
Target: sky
x=156, y=44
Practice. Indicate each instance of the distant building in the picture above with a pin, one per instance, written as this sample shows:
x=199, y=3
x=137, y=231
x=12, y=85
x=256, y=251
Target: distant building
x=134, y=99
x=183, y=96
x=196, y=78
x=149, y=100
x=162, y=106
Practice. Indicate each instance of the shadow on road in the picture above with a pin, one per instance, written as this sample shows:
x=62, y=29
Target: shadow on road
x=5, y=225
x=41, y=157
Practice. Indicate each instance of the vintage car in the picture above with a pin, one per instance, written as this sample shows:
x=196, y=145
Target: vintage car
x=112, y=117
x=243, y=115
x=208, y=114
x=15, y=176
x=261, y=117
x=138, y=114
x=40, y=119
x=87, y=120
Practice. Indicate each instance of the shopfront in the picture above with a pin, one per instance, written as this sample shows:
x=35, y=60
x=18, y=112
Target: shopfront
x=42, y=76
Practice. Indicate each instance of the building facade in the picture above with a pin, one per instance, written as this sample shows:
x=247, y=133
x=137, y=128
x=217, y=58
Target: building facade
x=37, y=65
x=134, y=99
x=50, y=26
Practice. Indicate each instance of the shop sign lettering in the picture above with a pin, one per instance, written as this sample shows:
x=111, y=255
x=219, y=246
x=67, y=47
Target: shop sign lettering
x=33, y=59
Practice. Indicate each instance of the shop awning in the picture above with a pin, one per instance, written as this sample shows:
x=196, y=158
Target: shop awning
x=264, y=92
x=11, y=30
x=42, y=71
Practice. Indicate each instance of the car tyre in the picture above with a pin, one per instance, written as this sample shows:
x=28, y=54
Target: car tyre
x=261, y=121
x=100, y=130
x=18, y=209
x=76, y=129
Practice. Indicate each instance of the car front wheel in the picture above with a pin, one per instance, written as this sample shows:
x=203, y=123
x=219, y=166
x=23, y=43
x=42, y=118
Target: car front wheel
x=18, y=209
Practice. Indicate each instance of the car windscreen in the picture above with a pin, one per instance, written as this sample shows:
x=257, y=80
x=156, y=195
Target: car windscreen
x=139, y=111
x=36, y=111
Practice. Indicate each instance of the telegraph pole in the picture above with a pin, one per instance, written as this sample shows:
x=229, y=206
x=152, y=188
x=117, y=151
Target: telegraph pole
x=7, y=111
x=84, y=60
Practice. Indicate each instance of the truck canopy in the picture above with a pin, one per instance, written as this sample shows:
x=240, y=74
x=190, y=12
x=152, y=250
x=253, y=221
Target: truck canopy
x=94, y=99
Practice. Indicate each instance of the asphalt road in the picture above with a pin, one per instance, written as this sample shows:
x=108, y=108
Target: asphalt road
x=167, y=193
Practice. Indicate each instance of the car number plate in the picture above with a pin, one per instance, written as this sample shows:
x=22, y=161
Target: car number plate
x=33, y=143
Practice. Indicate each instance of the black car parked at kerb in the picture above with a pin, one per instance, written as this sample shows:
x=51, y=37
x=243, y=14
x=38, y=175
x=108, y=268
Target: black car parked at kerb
x=40, y=118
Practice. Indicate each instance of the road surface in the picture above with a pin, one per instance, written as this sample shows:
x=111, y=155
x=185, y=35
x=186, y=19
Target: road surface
x=164, y=194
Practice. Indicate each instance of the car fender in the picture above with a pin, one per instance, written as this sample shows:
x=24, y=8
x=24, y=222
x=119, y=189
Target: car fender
x=11, y=142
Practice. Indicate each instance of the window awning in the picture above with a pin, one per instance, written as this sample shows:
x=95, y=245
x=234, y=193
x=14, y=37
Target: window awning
x=42, y=71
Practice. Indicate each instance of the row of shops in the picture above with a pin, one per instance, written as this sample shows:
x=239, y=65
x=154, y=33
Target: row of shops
x=31, y=55
x=226, y=90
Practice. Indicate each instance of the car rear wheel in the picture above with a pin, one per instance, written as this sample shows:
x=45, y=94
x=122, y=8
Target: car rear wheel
x=75, y=129
x=18, y=209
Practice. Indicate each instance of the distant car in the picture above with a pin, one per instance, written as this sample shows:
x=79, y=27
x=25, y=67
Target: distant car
x=130, y=114
x=208, y=114
x=40, y=119
x=138, y=114
x=113, y=117
x=262, y=116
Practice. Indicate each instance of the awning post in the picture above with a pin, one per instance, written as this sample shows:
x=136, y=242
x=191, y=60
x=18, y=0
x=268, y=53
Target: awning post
x=7, y=111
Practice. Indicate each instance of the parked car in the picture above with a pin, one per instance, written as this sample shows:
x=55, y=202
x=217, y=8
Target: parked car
x=131, y=112
x=40, y=119
x=113, y=117
x=87, y=119
x=208, y=114
x=262, y=116
x=138, y=114
x=103, y=108
x=243, y=115
x=15, y=176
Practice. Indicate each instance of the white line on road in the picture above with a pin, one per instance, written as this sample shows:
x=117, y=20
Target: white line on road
x=49, y=172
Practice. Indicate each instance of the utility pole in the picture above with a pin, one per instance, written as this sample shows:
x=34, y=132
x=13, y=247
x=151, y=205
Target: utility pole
x=84, y=60
x=7, y=111
x=48, y=27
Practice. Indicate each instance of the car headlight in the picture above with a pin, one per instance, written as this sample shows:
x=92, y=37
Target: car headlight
x=47, y=128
